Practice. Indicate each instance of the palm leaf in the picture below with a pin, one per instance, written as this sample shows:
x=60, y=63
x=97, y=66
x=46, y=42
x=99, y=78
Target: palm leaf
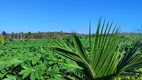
x=131, y=59
x=103, y=60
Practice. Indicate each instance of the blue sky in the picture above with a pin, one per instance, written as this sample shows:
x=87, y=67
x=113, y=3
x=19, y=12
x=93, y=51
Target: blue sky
x=68, y=15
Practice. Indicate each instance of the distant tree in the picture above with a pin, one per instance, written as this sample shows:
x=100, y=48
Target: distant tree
x=21, y=35
x=12, y=35
x=39, y=35
x=4, y=34
x=29, y=35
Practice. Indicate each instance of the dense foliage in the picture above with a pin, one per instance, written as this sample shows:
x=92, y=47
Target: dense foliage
x=32, y=59
x=111, y=56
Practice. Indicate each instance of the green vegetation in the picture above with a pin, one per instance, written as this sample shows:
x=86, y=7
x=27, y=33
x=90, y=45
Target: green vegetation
x=38, y=35
x=102, y=60
x=31, y=59
x=1, y=40
x=105, y=55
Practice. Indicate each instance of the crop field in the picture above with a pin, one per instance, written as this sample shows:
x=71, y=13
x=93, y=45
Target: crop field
x=70, y=40
x=105, y=55
x=33, y=59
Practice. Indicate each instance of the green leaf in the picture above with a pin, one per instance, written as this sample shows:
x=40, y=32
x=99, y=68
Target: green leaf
x=14, y=61
x=10, y=77
x=32, y=76
x=26, y=72
x=35, y=60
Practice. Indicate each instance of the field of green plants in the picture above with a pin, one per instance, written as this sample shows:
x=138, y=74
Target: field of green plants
x=111, y=56
x=32, y=59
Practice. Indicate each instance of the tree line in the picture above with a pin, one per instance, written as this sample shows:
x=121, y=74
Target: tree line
x=36, y=35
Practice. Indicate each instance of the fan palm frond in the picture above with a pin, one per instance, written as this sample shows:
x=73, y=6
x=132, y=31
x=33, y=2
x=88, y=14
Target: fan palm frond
x=103, y=60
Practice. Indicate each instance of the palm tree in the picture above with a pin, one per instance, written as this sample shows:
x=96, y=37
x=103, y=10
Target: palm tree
x=103, y=59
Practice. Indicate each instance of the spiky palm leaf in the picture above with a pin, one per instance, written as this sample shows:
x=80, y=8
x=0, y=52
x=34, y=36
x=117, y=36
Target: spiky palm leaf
x=130, y=60
x=103, y=60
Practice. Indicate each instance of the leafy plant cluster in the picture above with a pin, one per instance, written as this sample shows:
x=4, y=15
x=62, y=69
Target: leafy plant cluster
x=31, y=59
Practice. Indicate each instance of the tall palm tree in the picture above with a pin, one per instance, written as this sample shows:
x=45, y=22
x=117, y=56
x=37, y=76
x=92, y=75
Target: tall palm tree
x=103, y=59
